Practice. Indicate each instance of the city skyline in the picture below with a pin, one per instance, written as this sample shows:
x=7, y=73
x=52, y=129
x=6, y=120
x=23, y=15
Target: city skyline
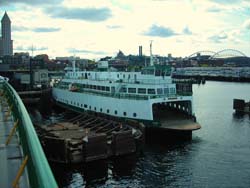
x=94, y=29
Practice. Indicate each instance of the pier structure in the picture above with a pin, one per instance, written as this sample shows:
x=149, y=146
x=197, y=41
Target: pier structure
x=34, y=96
x=237, y=74
x=241, y=106
x=90, y=137
x=22, y=160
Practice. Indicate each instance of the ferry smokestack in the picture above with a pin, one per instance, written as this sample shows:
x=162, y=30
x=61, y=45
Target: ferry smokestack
x=74, y=65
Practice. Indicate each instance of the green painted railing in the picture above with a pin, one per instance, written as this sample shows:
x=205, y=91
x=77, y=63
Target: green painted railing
x=39, y=172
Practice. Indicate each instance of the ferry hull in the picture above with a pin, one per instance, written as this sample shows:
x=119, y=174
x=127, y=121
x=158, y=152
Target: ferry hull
x=154, y=132
x=161, y=135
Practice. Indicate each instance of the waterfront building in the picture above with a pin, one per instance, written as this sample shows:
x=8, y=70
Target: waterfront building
x=6, y=44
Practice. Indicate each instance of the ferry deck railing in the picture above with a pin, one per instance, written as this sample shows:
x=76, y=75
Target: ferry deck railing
x=166, y=81
x=39, y=171
x=129, y=95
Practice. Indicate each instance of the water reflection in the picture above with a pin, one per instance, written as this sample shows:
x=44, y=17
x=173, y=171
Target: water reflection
x=241, y=118
x=123, y=166
x=157, y=166
x=94, y=173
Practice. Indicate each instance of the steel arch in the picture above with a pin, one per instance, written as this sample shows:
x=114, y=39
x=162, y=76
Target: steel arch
x=228, y=53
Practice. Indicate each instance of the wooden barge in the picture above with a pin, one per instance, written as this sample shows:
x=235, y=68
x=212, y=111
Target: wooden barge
x=241, y=106
x=87, y=137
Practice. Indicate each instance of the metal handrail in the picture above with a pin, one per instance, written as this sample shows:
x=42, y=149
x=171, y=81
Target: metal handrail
x=39, y=171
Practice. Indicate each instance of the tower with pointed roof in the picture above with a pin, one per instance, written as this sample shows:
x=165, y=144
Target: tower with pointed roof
x=6, y=44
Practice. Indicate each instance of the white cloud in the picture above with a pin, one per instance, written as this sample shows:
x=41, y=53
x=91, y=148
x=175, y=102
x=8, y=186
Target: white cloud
x=159, y=31
x=246, y=24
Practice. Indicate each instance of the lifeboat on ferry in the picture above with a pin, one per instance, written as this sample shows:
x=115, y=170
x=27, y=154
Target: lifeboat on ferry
x=73, y=88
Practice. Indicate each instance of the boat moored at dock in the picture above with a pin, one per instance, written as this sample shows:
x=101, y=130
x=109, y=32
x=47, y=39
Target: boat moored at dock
x=149, y=96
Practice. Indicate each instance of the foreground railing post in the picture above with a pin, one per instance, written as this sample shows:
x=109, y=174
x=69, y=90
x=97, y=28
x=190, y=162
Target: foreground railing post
x=11, y=133
x=20, y=172
x=8, y=113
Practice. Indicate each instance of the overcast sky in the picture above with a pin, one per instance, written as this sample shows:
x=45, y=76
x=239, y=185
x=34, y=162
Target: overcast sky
x=96, y=28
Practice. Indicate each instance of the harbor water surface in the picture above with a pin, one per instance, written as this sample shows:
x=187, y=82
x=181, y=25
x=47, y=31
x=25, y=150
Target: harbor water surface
x=217, y=156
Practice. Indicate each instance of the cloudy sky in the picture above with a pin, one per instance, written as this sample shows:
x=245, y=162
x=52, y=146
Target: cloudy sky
x=96, y=28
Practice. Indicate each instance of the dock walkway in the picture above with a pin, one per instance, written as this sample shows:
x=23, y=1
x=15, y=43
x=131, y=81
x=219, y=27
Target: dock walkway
x=11, y=155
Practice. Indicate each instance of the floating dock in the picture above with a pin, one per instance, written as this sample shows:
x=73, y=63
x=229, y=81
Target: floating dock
x=241, y=106
x=87, y=138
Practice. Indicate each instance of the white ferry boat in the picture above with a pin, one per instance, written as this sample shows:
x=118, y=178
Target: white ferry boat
x=150, y=96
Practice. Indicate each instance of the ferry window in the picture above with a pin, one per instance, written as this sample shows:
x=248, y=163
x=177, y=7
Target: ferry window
x=103, y=88
x=107, y=88
x=132, y=90
x=159, y=91
x=77, y=104
x=90, y=107
x=94, y=86
x=166, y=90
x=157, y=73
x=115, y=111
x=88, y=74
x=151, y=91
x=85, y=106
x=107, y=110
x=117, y=75
x=124, y=113
x=123, y=89
x=98, y=88
x=134, y=114
x=83, y=85
x=124, y=76
x=81, y=105
x=101, y=110
x=172, y=90
x=95, y=108
x=142, y=90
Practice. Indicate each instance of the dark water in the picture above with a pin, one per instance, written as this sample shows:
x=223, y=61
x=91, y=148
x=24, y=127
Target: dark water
x=217, y=156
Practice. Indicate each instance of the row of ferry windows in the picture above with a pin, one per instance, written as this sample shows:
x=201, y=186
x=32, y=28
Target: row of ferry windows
x=96, y=87
x=160, y=91
x=101, y=110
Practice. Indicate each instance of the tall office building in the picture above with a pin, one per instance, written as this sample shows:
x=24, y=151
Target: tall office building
x=140, y=51
x=6, y=44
